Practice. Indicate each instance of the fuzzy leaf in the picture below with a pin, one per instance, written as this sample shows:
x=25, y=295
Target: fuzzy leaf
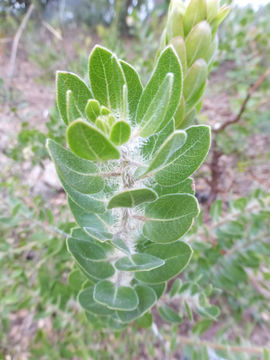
x=120, y=132
x=176, y=257
x=120, y=245
x=92, y=110
x=81, y=93
x=173, y=143
x=185, y=187
x=81, y=251
x=134, y=89
x=80, y=174
x=195, y=12
x=147, y=299
x=72, y=110
x=88, y=303
x=85, y=201
x=89, y=143
x=122, y=298
x=161, y=96
x=170, y=217
x=132, y=198
x=106, y=79
x=188, y=159
x=138, y=262
x=92, y=224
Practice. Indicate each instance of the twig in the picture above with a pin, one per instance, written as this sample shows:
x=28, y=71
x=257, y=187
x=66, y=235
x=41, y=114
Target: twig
x=52, y=30
x=251, y=91
x=215, y=346
x=16, y=40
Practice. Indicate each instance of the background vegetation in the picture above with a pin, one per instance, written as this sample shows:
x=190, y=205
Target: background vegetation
x=219, y=308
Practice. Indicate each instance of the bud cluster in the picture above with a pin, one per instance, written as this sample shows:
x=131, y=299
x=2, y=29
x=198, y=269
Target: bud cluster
x=192, y=29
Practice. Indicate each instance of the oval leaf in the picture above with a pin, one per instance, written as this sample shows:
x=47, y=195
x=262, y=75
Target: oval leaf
x=161, y=96
x=147, y=298
x=131, y=198
x=81, y=93
x=92, y=109
x=176, y=257
x=188, y=159
x=78, y=173
x=138, y=262
x=170, y=217
x=107, y=79
x=89, y=143
x=118, y=298
x=120, y=133
x=169, y=315
x=88, y=303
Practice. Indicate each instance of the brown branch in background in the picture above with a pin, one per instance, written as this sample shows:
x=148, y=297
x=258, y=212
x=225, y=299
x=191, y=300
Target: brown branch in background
x=16, y=41
x=215, y=346
x=251, y=91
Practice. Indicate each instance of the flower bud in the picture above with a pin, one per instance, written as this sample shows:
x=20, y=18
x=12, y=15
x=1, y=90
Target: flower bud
x=212, y=9
x=180, y=48
x=175, y=26
x=198, y=43
x=222, y=13
x=195, y=13
x=194, y=83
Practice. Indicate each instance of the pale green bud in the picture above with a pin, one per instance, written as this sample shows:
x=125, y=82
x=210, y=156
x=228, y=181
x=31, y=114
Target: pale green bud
x=180, y=48
x=222, y=13
x=196, y=12
x=92, y=109
x=212, y=9
x=194, y=83
x=198, y=43
x=175, y=26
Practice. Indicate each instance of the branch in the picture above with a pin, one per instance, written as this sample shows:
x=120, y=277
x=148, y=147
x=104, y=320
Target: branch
x=16, y=40
x=215, y=346
x=251, y=91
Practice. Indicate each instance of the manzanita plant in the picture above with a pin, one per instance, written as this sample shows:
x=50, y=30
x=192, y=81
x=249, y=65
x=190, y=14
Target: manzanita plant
x=127, y=178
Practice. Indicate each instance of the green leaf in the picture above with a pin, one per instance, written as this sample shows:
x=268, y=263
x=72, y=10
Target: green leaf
x=153, y=142
x=81, y=251
x=81, y=93
x=193, y=83
x=147, y=299
x=86, y=249
x=76, y=279
x=89, y=143
x=122, y=298
x=195, y=12
x=73, y=111
x=88, y=303
x=120, y=245
x=132, y=198
x=138, y=262
x=173, y=143
x=176, y=257
x=92, y=224
x=169, y=315
x=170, y=217
x=107, y=79
x=80, y=174
x=176, y=286
x=80, y=234
x=85, y=201
x=161, y=96
x=184, y=187
x=201, y=326
x=120, y=132
x=180, y=48
x=145, y=321
x=198, y=43
x=92, y=110
x=188, y=159
x=134, y=89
